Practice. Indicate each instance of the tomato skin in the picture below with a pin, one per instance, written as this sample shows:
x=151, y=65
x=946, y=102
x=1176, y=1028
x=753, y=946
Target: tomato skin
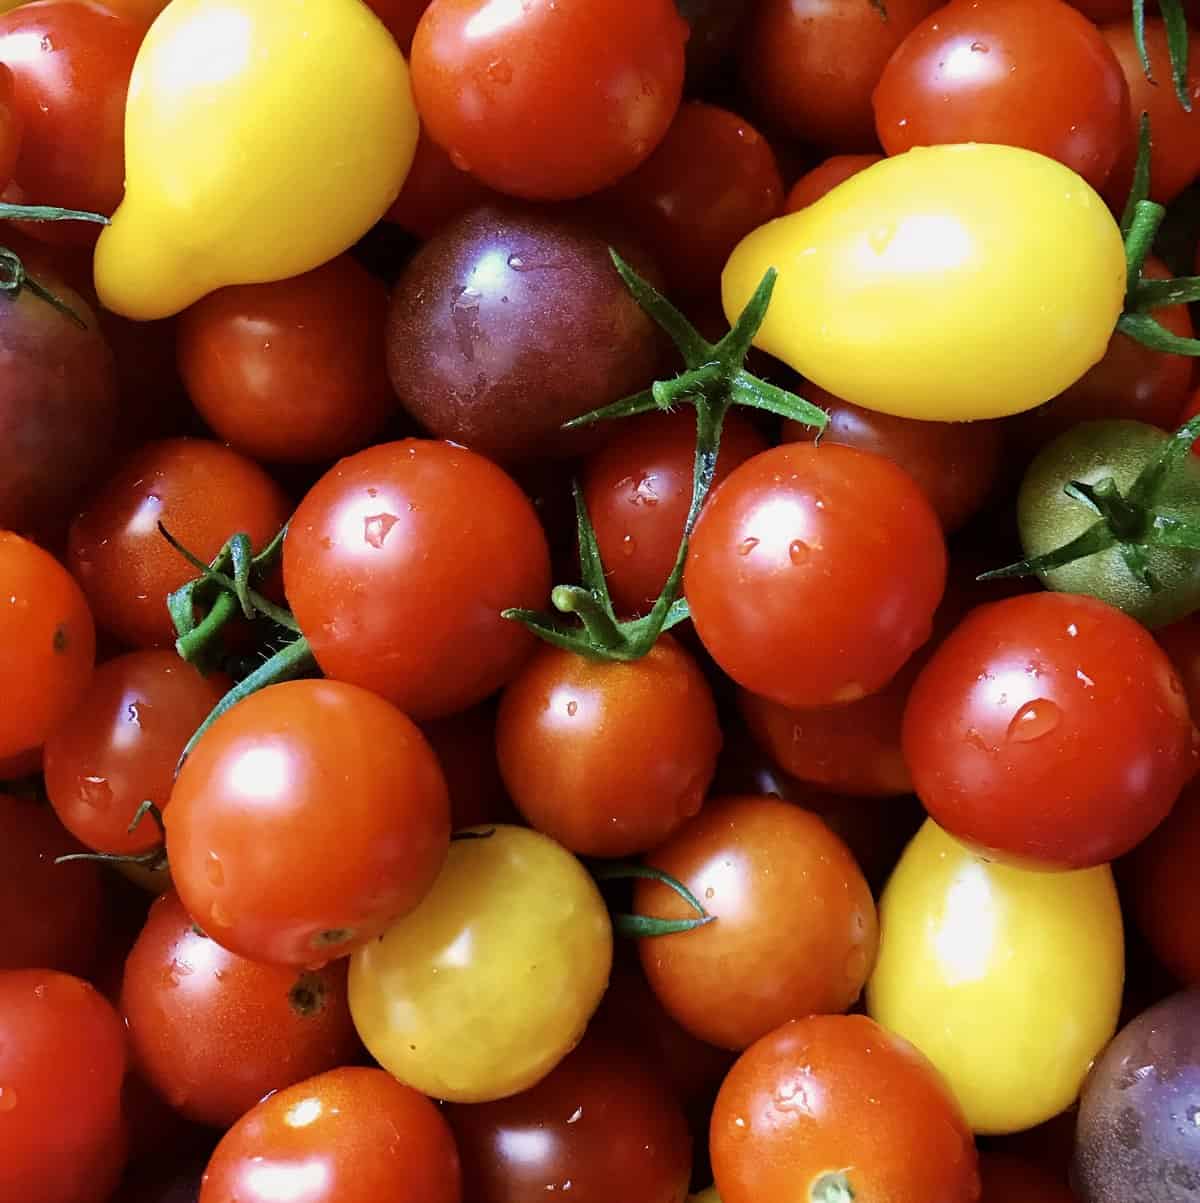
x=794, y=916
x=1181, y=642
x=291, y=371
x=120, y=745
x=12, y=126
x=252, y=818
x=47, y=644
x=608, y=758
x=401, y=18
x=61, y=1130
x=1050, y=730
x=434, y=192
x=835, y=1093
x=491, y=980
x=504, y=99
x=825, y=177
x=349, y=1136
x=800, y=540
x=990, y=969
x=213, y=1033
x=465, y=745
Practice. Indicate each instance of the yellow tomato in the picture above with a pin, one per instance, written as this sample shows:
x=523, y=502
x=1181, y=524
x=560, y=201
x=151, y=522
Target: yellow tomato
x=947, y=283
x=1008, y=980
x=491, y=981
x=262, y=138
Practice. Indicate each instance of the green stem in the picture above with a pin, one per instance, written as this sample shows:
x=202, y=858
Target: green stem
x=1147, y=218
x=600, y=625
x=193, y=645
x=48, y=213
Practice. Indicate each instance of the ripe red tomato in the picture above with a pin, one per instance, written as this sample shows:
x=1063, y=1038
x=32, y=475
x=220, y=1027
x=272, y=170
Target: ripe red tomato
x=434, y=192
x=347, y=1136
x=825, y=177
x=306, y=819
x=398, y=564
x=11, y=125
x=47, y=644
x=500, y=88
x=836, y=1099
x=465, y=745
x=608, y=758
x=1181, y=642
x=1049, y=728
x=814, y=572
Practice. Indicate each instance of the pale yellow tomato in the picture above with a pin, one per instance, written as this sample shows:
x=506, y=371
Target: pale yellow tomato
x=1008, y=980
x=479, y=992
x=947, y=283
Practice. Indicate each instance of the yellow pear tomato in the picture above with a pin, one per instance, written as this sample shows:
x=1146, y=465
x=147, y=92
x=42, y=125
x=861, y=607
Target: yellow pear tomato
x=1009, y=980
x=947, y=283
x=482, y=990
x=262, y=138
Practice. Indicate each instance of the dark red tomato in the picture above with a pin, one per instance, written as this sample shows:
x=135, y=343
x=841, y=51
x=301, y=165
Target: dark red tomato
x=120, y=745
x=203, y=493
x=836, y=1101
x=22, y=765
x=1031, y=73
x=810, y=65
x=711, y=181
x=401, y=17
x=823, y=178
x=417, y=537
x=1102, y=11
x=608, y=757
x=601, y=1126
x=62, y=1059
x=72, y=62
x=11, y=125
x=276, y=784
x=434, y=192
x=548, y=100
x=47, y=644
x=1181, y=642
x=1175, y=146
x=1050, y=729
x=638, y=489
x=955, y=463
x=814, y=573
x=347, y=1136
x=57, y=912
x=213, y=1033
x=465, y=745
x=795, y=930
x=1008, y=1179
x=291, y=371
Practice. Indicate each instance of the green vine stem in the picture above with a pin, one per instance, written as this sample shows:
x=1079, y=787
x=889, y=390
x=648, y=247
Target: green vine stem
x=155, y=859
x=1175, y=19
x=646, y=926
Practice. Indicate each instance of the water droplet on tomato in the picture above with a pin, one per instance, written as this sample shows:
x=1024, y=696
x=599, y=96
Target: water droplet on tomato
x=95, y=792
x=979, y=48
x=377, y=527
x=746, y=546
x=214, y=871
x=219, y=917
x=798, y=552
x=1034, y=720
x=460, y=160
x=856, y=966
x=8, y=1099
x=628, y=546
x=880, y=238
x=849, y=693
x=572, y=709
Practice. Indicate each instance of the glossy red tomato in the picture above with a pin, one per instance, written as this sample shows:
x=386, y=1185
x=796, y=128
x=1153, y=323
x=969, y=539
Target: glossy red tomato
x=638, y=489
x=1031, y=73
x=408, y=537
x=794, y=933
x=120, y=746
x=1181, y=642
x=500, y=88
x=203, y=493
x=347, y=1136
x=823, y=178
x=306, y=819
x=47, y=644
x=814, y=572
x=832, y=1102
x=291, y=371
x=213, y=1033
x=435, y=191
x=62, y=1059
x=1051, y=729
x=11, y=125
x=601, y=1126
x=608, y=757
x=465, y=745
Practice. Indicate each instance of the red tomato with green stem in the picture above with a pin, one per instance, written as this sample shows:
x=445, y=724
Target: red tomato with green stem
x=825, y=177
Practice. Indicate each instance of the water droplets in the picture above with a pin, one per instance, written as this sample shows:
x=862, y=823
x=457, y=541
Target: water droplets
x=979, y=48
x=572, y=708
x=377, y=527
x=218, y=916
x=798, y=552
x=95, y=792
x=746, y=546
x=8, y=1099
x=214, y=870
x=628, y=546
x=500, y=71
x=1035, y=720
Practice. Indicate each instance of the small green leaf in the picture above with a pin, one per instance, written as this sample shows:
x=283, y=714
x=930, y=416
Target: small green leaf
x=1143, y=328
x=1098, y=537
x=1176, y=22
x=694, y=349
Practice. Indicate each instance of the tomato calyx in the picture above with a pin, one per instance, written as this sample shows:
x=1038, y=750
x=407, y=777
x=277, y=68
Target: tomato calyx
x=648, y=926
x=833, y=1187
x=713, y=381
x=1175, y=19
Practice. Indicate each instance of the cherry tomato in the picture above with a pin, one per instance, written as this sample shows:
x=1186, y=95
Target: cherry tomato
x=401, y=18
x=606, y=757
x=1181, y=642
x=347, y=1136
x=1008, y=1179
x=1049, y=729
x=1031, y=73
x=291, y=371
x=62, y=1058
x=794, y=930
x=47, y=644
x=202, y=493
x=638, y=488
x=834, y=1104
x=120, y=746
x=500, y=89
x=490, y=982
x=465, y=745
x=11, y=125
x=416, y=537
x=813, y=573
x=306, y=818
x=825, y=177
x=435, y=191
x=213, y=1033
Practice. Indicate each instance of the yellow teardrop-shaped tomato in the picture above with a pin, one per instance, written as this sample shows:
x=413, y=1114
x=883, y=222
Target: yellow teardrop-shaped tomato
x=1008, y=980
x=946, y=283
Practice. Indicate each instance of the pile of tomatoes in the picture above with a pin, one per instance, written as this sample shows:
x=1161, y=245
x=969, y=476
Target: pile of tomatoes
x=599, y=598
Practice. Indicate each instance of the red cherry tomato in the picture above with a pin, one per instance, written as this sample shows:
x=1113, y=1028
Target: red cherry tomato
x=1181, y=642
x=465, y=745
x=434, y=192
x=11, y=125
x=825, y=177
